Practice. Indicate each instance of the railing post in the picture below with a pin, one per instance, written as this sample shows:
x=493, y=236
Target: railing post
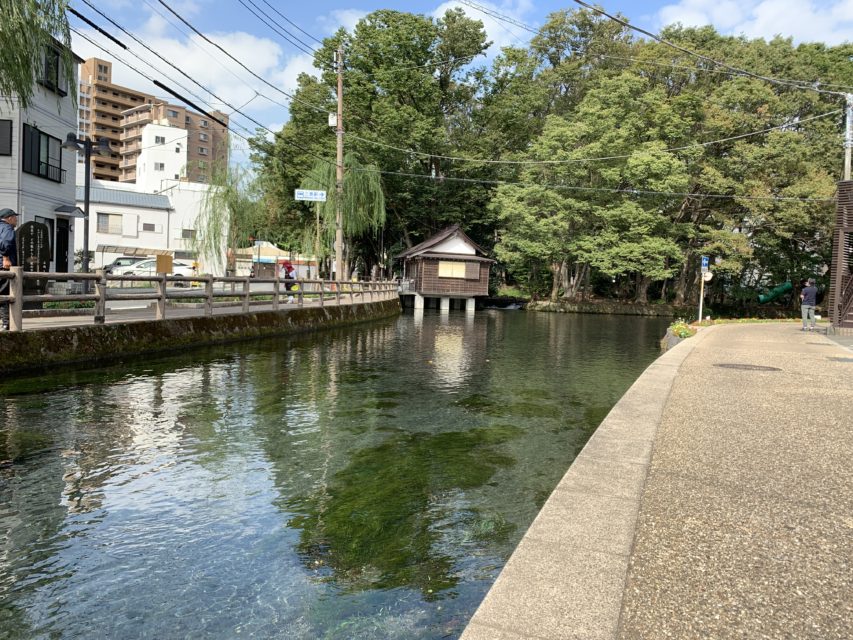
x=246, y=290
x=322, y=293
x=276, y=291
x=101, y=302
x=161, y=297
x=16, y=307
x=208, y=295
x=301, y=293
x=338, y=292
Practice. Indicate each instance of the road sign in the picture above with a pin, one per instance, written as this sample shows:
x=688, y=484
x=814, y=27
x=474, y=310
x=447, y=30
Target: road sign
x=704, y=264
x=309, y=194
x=708, y=276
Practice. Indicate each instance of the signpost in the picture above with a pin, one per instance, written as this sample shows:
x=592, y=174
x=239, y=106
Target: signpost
x=34, y=253
x=705, y=271
x=309, y=194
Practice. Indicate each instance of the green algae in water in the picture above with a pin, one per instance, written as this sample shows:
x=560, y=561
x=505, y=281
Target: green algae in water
x=374, y=526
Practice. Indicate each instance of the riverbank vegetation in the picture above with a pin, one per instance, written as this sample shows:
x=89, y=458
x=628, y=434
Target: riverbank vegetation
x=591, y=163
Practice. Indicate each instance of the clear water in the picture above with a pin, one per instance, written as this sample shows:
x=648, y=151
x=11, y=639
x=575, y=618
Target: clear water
x=367, y=483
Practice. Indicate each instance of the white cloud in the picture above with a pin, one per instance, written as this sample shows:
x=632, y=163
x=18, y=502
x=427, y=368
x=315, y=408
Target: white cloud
x=809, y=21
x=346, y=18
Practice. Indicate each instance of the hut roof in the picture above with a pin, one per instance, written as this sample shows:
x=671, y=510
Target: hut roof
x=424, y=247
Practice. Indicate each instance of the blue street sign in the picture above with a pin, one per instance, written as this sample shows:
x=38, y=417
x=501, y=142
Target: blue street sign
x=704, y=264
x=309, y=194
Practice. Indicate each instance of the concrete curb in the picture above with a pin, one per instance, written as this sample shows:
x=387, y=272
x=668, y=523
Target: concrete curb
x=567, y=577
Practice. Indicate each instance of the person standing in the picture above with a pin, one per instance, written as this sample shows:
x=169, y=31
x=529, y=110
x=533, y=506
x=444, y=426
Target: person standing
x=9, y=253
x=808, y=301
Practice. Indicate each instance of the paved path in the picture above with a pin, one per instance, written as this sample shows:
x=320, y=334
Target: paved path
x=715, y=501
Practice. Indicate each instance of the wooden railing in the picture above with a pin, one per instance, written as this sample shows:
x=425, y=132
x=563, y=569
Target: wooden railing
x=95, y=287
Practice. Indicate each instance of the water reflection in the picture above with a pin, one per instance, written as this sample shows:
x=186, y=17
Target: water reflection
x=362, y=483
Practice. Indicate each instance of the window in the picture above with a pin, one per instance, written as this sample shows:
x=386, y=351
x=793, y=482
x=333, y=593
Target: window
x=159, y=166
x=202, y=123
x=187, y=234
x=148, y=226
x=52, y=75
x=109, y=223
x=5, y=137
x=159, y=139
x=171, y=113
x=187, y=120
x=202, y=151
x=202, y=137
x=202, y=164
x=42, y=155
x=451, y=269
x=102, y=68
x=202, y=177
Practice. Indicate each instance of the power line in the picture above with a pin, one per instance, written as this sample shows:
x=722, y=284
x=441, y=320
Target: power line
x=638, y=192
x=743, y=72
x=595, y=159
x=289, y=21
x=278, y=29
x=247, y=117
x=222, y=49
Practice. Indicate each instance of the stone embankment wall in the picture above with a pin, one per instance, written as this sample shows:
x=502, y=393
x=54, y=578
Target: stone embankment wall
x=34, y=350
x=615, y=308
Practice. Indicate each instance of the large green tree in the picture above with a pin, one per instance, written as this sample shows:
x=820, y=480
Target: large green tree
x=28, y=28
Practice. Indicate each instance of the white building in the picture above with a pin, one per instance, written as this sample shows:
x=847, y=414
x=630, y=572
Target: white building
x=37, y=176
x=127, y=221
x=162, y=157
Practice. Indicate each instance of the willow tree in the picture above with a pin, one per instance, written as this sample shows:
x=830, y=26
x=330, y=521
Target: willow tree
x=363, y=211
x=230, y=215
x=28, y=28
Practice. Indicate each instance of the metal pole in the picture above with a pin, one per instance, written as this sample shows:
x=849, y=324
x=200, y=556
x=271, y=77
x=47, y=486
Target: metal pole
x=848, y=137
x=339, y=184
x=87, y=146
x=701, y=295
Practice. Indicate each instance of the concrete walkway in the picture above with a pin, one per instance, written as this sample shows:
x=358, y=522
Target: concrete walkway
x=714, y=501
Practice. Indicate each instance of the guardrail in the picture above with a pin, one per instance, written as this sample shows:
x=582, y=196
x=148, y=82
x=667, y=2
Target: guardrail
x=200, y=288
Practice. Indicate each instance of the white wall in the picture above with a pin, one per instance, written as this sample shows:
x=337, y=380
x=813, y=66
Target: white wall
x=454, y=244
x=34, y=196
x=186, y=198
x=172, y=154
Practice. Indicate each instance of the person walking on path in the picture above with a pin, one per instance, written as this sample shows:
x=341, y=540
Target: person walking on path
x=9, y=253
x=808, y=300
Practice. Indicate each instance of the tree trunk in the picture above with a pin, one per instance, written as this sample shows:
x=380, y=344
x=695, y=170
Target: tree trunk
x=642, y=294
x=556, y=270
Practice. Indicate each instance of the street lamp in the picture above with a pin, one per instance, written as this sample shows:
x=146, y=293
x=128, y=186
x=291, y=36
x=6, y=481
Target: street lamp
x=102, y=147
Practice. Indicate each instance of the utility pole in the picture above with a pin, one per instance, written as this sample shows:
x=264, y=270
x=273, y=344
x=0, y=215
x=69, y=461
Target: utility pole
x=339, y=185
x=848, y=138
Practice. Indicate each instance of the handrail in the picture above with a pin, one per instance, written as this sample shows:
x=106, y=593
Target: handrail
x=845, y=304
x=203, y=288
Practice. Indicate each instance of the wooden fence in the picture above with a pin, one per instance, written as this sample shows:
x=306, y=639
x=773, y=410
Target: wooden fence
x=100, y=288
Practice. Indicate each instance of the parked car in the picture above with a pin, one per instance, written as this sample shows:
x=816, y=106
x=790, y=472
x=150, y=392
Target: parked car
x=122, y=262
x=149, y=267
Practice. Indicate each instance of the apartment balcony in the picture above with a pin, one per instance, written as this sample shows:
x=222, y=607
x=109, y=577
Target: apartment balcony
x=130, y=135
x=140, y=117
x=106, y=173
x=130, y=147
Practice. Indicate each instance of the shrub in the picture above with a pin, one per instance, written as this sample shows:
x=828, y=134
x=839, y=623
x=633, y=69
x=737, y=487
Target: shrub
x=681, y=329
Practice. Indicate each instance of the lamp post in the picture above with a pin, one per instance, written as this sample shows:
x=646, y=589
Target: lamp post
x=102, y=147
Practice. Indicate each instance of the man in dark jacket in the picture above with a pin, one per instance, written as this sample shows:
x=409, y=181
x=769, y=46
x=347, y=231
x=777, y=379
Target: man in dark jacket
x=808, y=301
x=9, y=254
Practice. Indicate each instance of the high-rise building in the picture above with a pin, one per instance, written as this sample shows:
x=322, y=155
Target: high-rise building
x=196, y=141
x=101, y=104
x=121, y=115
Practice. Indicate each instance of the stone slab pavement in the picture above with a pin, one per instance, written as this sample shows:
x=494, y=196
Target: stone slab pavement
x=714, y=501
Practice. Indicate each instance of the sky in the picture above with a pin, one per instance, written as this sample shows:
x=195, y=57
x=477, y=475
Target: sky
x=231, y=24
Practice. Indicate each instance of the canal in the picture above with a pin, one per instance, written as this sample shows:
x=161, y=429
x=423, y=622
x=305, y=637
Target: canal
x=366, y=483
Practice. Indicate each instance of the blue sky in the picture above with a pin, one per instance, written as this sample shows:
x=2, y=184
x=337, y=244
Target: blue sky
x=230, y=24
